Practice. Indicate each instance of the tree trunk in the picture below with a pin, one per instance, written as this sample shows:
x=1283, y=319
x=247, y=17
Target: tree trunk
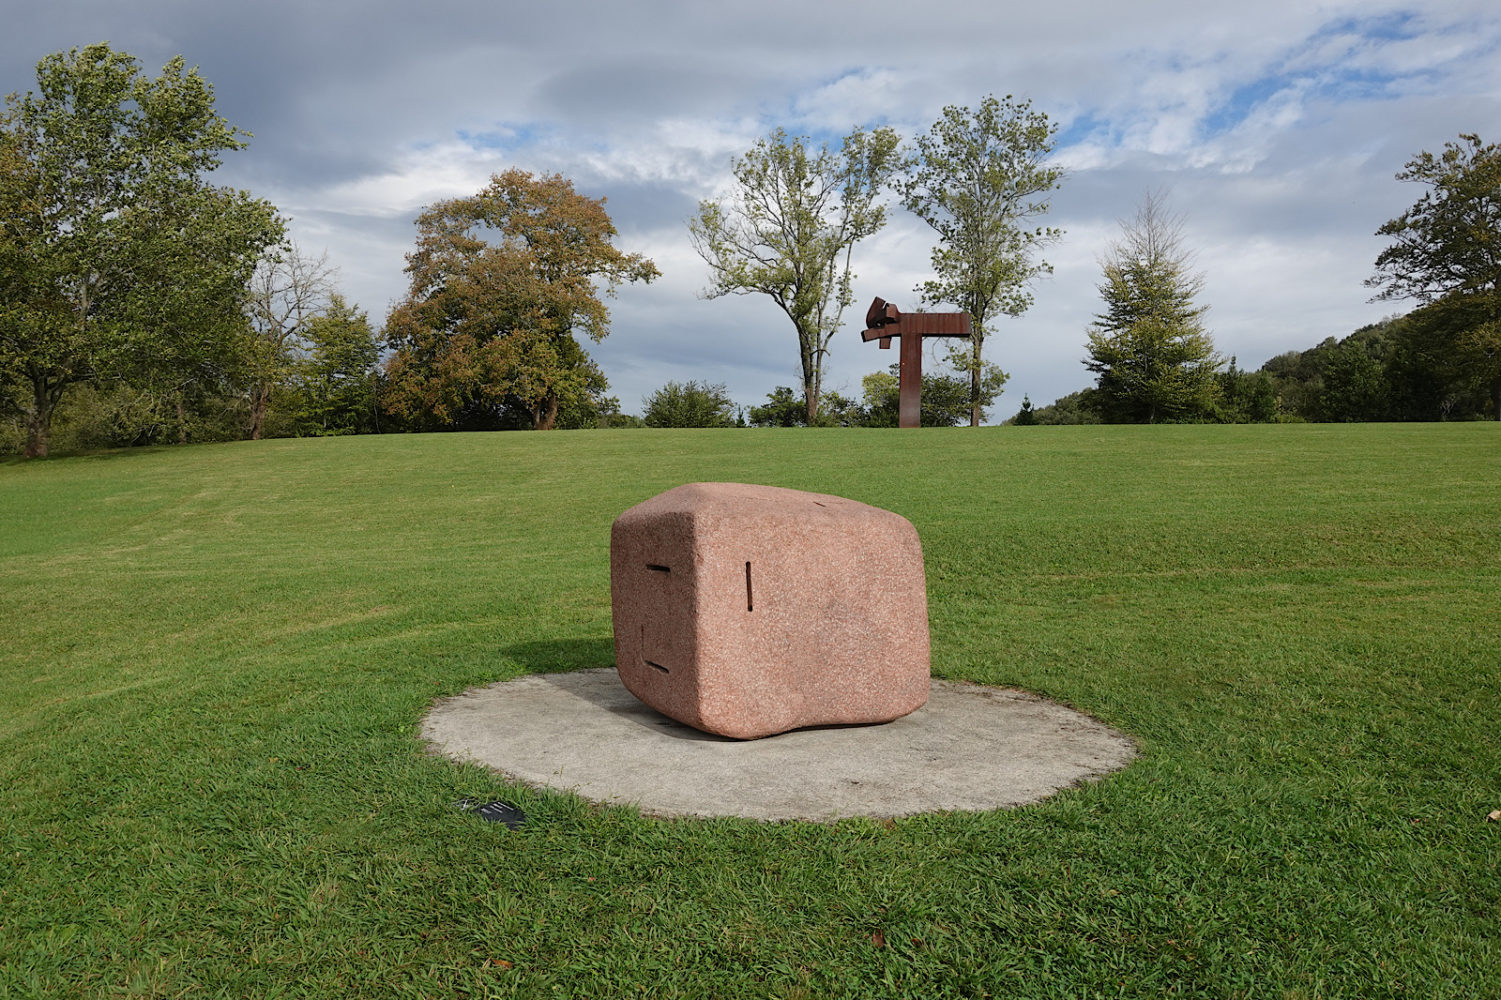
x=44, y=399
x=38, y=430
x=974, y=387
x=545, y=414
x=810, y=387
x=258, y=410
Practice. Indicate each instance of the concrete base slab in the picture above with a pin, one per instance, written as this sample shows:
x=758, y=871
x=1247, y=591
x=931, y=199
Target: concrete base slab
x=970, y=748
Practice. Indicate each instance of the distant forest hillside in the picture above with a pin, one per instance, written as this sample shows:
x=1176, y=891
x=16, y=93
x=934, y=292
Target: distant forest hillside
x=1402, y=368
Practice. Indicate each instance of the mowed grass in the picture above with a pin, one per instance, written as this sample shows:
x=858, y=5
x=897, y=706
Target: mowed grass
x=215, y=660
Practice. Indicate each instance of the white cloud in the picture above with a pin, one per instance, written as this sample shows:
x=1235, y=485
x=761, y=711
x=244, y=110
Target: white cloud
x=1276, y=127
x=867, y=96
x=420, y=178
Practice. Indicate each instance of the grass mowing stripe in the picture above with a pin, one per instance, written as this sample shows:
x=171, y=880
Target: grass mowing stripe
x=216, y=657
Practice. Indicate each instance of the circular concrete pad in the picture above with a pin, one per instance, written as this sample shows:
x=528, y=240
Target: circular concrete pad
x=969, y=748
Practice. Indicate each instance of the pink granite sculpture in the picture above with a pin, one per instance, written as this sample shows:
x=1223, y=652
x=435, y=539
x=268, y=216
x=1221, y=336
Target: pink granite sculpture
x=751, y=610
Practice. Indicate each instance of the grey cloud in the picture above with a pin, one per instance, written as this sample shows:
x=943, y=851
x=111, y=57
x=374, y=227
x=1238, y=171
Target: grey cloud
x=340, y=92
x=641, y=87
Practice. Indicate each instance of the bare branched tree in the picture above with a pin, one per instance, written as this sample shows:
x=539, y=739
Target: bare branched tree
x=289, y=289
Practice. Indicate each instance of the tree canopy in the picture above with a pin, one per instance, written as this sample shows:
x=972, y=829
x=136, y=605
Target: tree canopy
x=500, y=283
x=781, y=409
x=978, y=178
x=1449, y=241
x=1154, y=359
x=118, y=256
x=788, y=230
x=1446, y=254
x=689, y=404
x=338, y=377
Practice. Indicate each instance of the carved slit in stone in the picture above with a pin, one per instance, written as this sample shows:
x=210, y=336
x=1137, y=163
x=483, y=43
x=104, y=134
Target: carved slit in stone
x=749, y=604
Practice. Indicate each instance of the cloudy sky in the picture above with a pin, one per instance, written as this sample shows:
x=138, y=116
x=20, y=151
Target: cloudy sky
x=1274, y=128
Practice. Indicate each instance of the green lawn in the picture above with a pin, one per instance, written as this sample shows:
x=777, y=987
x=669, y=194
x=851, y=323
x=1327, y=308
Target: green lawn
x=215, y=659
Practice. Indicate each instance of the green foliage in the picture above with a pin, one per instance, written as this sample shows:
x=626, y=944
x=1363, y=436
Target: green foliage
x=1026, y=416
x=788, y=231
x=120, y=261
x=837, y=410
x=1355, y=384
x=12, y=418
x=99, y=415
x=689, y=404
x=1444, y=361
x=288, y=291
x=1154, y=359
x=978, y=178
x=1402, y=368
x=1446, y=251
x=1075, y=408
x=1245, y=397
x=783, y=409
x=1153, y=373
x=500, y=283
x=1297, y=379
x=340, y=375
x=595, y=411
x=946, y=400
x=1449, y=241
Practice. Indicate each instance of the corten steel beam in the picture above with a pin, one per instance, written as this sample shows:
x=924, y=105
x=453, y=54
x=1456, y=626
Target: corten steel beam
x=909, y=382
x=886, y=321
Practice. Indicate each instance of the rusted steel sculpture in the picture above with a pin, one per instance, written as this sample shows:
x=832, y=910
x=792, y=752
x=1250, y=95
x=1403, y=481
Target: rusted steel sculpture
x=884, y=321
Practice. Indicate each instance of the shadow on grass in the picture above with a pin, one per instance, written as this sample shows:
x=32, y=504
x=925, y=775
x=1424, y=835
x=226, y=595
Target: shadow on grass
x=88, y=454
x=558, y=655
x=554, y=660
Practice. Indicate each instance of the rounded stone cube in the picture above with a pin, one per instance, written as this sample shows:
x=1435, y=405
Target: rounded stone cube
x=750, y=610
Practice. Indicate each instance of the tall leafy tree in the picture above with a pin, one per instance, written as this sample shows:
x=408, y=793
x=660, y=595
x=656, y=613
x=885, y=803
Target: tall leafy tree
x=979, y=178
x=340, y=372
x=1444, y=361
x=1154, y=358
x=1245, y=397
x=1446, y=254
x=119, y=257
x=500, y=283
x=788, y=229
x=1355, y=385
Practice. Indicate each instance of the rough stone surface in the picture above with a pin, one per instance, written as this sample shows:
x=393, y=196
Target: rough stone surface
x=969, y=748
x=751, y=610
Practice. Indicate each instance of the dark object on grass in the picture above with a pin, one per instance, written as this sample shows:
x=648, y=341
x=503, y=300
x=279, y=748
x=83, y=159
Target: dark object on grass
x=494, y=812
